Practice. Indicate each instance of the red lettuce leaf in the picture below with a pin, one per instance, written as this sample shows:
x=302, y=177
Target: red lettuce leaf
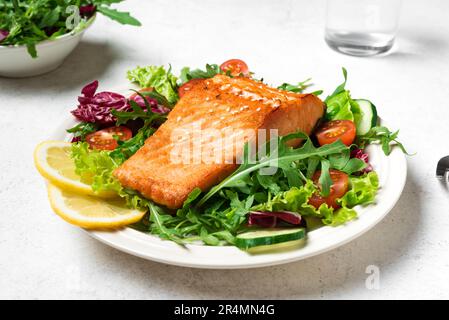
x=97, y=107
x=268, y=219
x=3, y=34
x=87, y=11
x=362, y=155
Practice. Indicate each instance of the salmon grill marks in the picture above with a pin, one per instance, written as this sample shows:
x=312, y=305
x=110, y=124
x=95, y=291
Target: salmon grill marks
x=218, y=104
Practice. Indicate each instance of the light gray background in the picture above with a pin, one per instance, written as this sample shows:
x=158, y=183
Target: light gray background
x=41, y=256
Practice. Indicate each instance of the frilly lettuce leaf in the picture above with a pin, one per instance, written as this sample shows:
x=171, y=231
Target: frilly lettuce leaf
x=340, y=105
x=163, y=81
x=362, y=191
x=296, y=199
x=96, y=167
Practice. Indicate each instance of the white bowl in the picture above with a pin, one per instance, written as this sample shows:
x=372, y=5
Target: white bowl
x=16, y=62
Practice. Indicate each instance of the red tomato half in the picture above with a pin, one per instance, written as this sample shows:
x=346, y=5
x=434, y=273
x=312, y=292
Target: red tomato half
x=186, y=87
x=334, y=130
x=104, y=139
x=235, y=67
x=338, y=189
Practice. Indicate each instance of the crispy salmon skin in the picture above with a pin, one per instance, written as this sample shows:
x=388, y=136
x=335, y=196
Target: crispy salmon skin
x=189, y=150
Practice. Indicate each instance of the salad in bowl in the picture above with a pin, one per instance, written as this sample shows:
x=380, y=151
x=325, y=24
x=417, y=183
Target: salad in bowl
x=37, y=35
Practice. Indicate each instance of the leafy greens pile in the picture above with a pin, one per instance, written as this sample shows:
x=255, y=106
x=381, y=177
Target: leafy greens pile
x=340, y=106
x=31, y=21
x=165, y=83
x=217, y=216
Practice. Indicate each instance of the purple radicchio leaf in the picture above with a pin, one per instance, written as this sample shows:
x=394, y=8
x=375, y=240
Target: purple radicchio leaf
x=90, y=89
x=3, y=34
x=268, y=219
x=262, y=220
x=87, y=11
x=362, y=155
x=50, y=30
x=96, y=107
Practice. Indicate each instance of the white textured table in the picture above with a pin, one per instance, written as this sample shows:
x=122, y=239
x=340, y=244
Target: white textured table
x=43, y=257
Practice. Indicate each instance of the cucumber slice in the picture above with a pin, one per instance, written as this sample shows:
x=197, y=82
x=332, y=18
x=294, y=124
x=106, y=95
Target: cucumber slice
x=278, y=247
x=268, y=237
x=369, y=116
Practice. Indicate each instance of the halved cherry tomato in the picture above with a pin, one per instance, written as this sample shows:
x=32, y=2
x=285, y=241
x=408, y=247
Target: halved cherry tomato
x=188, y=86
x=235, y=67
x=104, y=139
x=338, y=189
x=331, y=131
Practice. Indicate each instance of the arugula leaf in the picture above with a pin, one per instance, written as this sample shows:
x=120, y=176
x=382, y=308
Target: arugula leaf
x=129, y=147
x=284, y=154
x=119, y=16
x=162, y=100
x=31, y=48
x=317, y=92
x=340, y=88
x=82, y=129
x=300, y=87
x=149, y=117
x=50, y=18
x=325, y=179
x=345, y=163
x=297, y=88
x=158, y=224
x=187, y=74
x=191, y=197
x=384, y=136
x=312, y=165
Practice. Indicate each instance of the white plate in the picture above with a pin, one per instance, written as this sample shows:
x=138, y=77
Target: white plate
x=392, y=172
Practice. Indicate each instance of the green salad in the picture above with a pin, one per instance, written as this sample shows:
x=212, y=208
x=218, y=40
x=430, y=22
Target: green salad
x=319, y=183
x=31, y=21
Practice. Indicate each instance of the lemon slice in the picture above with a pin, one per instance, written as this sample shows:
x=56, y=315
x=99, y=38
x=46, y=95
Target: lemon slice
x=52, y=160
x=91, y=212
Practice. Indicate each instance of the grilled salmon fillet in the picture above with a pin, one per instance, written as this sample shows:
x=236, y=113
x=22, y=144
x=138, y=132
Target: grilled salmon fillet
x=189, y=150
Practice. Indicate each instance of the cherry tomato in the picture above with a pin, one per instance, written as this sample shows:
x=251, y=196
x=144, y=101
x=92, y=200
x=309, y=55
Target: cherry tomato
x=338, y=189
x=104, y=139
x=186, y=87
x=235, y=67
x=331, y=131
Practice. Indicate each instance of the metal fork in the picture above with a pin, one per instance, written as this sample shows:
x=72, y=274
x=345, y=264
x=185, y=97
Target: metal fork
x=443, y=168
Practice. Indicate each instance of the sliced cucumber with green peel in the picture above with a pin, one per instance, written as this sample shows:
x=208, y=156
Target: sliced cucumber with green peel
x=278, y=247
x=369, y=116
x=268, y=237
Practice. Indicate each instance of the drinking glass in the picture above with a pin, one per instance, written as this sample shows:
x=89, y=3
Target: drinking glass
x=361, y=27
